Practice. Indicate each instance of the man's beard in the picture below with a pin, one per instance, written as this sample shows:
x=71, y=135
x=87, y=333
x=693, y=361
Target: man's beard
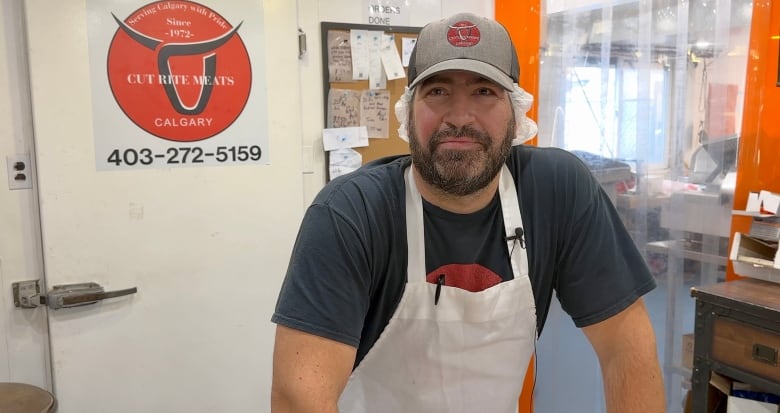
x=460, y=172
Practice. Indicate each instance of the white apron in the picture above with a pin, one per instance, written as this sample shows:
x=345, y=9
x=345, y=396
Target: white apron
x=468, y=353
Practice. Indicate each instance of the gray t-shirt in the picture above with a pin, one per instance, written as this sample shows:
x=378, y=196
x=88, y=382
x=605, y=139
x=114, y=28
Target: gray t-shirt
x=348, y=267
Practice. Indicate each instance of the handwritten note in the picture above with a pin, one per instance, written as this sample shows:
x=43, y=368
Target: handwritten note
x=340, y=138
x=343, y=108
x=339, y=56
x=374, y=110
x=344, y=161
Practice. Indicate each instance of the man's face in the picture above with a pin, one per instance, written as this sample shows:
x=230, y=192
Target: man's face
x=460, y=131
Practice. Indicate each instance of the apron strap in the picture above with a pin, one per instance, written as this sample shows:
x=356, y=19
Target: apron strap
x=415, y=230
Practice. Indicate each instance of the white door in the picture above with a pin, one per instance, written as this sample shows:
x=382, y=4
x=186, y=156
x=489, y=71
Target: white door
x=23, y=334
x=206, y=246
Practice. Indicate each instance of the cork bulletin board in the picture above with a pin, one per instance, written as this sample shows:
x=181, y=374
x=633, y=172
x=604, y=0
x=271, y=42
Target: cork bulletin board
x=330, y=32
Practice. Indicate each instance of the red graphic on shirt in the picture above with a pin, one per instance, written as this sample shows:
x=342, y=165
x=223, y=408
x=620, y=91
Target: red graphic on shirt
x=469, y=277
x=179, y=70
x=463, y=34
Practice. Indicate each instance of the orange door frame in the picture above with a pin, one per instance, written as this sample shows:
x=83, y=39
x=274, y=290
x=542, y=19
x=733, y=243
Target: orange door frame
x=759, y=142
x=522, y=19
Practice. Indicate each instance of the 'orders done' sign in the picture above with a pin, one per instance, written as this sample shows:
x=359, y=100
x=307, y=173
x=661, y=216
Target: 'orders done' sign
x=386, y=12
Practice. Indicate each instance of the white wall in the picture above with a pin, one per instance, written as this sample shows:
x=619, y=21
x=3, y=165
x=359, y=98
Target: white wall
x=23, y=353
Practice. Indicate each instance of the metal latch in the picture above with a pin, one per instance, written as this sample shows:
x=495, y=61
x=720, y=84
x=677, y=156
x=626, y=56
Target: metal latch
x=27, y=294
x=301, y=43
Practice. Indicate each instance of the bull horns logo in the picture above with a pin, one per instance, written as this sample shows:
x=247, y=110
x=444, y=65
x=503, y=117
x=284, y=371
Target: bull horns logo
x=182, y=49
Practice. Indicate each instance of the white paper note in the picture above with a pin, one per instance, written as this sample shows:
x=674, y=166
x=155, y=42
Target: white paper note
x=407, y=45
x=340, y=138
x=391, y=61
x=344, y=161
x=376, y=75
x=360, y=54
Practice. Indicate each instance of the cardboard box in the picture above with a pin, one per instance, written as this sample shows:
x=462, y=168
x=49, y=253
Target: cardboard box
x=752, y=257
x=770, y=202
x=736, y=404
x=687, y=351
x=764, y=202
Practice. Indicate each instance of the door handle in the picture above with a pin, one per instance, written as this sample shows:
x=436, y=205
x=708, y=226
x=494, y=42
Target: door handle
x=75, y=295
x=27, y=294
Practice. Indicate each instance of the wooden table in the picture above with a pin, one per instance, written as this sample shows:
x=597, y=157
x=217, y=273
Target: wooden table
x=24, y=398
x=737, y=334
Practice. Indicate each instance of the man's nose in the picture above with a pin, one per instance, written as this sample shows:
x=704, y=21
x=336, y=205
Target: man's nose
x=460, y=111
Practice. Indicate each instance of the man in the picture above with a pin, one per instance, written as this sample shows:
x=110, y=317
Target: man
x=416, y=283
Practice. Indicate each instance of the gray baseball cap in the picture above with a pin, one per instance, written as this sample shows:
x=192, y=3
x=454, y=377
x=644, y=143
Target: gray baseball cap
x=467, y=42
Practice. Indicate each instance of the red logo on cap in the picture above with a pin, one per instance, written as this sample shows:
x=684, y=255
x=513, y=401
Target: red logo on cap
x=463, y=34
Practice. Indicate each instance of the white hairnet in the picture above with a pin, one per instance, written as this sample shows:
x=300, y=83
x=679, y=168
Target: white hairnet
x=521, y=103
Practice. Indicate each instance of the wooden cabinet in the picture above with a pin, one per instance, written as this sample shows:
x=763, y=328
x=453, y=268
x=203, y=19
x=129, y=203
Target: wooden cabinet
x=752, y=348
x=737, y=334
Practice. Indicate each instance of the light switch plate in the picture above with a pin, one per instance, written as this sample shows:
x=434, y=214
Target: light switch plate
x=19, y=172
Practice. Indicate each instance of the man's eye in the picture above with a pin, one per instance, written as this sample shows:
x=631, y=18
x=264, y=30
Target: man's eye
x=485, y=91
x=437, y=91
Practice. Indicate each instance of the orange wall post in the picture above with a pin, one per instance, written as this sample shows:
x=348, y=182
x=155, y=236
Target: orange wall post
x=759, y=143
x=522, y=18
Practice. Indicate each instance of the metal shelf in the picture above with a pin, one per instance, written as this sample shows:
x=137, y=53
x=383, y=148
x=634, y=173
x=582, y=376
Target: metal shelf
x=681, y=247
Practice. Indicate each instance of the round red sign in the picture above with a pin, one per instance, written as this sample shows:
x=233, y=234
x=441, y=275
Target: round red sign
x=463, y=34
x=179, y=70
